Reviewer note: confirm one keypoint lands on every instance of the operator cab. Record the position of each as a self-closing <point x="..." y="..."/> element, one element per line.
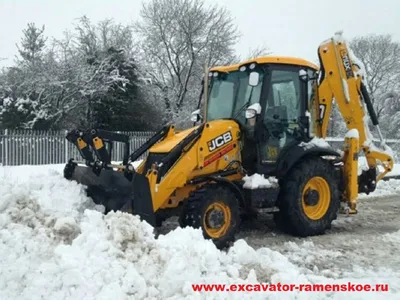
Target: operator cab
<point x="269" y="97"/>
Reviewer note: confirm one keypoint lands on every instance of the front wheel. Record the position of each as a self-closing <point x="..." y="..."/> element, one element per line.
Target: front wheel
<point x="215" y="209"/>
<point x="309" y="198"/>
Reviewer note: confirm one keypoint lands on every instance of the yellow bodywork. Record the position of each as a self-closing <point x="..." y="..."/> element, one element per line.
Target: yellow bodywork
<point x="171" y="141"/>
<point x="337" y="85"/>
<point x="199" y="160"/>
<point x="268" y="60"/>
<point x="350" y="158"/>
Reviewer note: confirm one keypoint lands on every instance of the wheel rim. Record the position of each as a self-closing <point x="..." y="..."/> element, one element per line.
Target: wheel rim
<point x="316" y="198"/>
<point x="217" y="219"/>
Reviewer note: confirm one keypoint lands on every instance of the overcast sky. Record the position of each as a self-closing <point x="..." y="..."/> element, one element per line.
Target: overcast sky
<point x="288" y="27"/>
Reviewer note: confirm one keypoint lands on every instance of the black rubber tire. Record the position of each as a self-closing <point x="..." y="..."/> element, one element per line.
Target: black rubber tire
<point x="183" y="215"/>
<point x="202" y="198"/>
<point x="291" y="218"/>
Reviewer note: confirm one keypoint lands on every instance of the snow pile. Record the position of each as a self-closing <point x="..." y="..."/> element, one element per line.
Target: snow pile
<point x="36" y="214"/>
<point x="48" y="254"/>
<point x="28" y="172"/>
<point x="45" y="188"/>
<point x="54" y="244"/>
<point x="259" y="181"/>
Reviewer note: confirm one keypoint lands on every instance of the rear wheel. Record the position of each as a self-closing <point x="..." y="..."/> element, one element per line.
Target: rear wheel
<point x="309" y="198"/>
<point x="215" y="209"/>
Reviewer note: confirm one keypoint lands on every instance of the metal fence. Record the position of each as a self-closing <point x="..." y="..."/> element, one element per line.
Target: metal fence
<point x="35" y="147"/>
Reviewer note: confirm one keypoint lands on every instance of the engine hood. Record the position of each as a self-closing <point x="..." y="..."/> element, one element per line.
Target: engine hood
<point x="171" y="141"/>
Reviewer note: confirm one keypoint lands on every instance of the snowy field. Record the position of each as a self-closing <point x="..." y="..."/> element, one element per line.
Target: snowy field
<point x="56" y="244"/>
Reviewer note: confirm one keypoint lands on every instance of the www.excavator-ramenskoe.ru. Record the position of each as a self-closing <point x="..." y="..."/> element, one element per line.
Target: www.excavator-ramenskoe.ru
<point x="267" y="116"/>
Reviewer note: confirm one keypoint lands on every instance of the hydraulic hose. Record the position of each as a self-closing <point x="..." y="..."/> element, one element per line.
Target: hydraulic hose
<point x="368" y="102"/>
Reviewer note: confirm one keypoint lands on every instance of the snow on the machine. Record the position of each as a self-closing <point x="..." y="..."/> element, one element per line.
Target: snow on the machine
<point x="315" y="142"/>
<point x="256" y="181"/>
<point x="352" y="134"/>
<point x="56" y="244"/>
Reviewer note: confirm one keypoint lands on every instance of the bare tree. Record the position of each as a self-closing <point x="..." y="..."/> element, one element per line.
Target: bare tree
<point x="261" y="50"/>
<point x="177" y="38"/>
<point x="381" y="58"/>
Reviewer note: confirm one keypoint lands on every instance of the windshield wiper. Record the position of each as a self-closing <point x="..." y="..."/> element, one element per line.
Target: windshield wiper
<point x="246" y="104"/>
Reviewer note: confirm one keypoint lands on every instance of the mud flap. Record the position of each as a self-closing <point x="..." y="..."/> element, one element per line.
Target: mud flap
<point x="142" y="201"/>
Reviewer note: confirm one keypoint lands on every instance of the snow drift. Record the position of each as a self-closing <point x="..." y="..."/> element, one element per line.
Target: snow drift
<point x="56" y="244"/>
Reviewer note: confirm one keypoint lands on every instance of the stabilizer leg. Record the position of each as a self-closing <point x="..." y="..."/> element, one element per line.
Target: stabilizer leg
<point x="351" y="150"/>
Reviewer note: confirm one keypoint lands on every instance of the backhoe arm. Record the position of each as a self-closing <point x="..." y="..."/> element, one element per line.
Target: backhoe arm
<point x="341" y="81"/>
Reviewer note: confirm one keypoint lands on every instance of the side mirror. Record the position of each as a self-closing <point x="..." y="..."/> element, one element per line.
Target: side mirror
<point x="303" y="75"/>
<point x="195" y="116"/>
<point x="254" y="78"/>
<point x="253" y="110"/>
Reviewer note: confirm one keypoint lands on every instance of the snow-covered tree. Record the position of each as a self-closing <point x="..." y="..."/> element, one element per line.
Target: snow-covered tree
<point x="123" y="106"/>
<point x="32" y="44"/>
<point x="88" y="78"/>
<point x="177" y="39"/>
<point x="380" y="55"/>
<point x="23" y="85"/>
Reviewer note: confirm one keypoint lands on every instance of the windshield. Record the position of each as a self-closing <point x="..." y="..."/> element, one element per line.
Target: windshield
<point x="230" y="94"/>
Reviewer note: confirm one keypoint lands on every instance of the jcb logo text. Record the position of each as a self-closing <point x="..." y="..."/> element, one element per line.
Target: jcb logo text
<point x="219" y="141"/>
<point x="347" y="64"/>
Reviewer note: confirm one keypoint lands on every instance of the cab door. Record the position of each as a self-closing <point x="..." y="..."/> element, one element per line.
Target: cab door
<point x="283" y="104"/>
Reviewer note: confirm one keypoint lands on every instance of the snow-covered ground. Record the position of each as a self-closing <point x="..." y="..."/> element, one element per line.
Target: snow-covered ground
<point x="56" y="244"/>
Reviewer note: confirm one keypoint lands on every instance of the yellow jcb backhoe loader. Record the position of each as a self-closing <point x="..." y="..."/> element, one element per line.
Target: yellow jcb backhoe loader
<point x="268" y="116"/>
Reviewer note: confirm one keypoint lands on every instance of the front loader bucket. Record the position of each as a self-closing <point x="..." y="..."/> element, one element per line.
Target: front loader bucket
<point x="109" y="188"/>
<point x="141" y="199"/>
<point x="113" y="190"/>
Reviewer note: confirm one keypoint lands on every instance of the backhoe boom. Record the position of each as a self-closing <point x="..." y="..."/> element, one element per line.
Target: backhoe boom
<point x="341" y="81"/>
